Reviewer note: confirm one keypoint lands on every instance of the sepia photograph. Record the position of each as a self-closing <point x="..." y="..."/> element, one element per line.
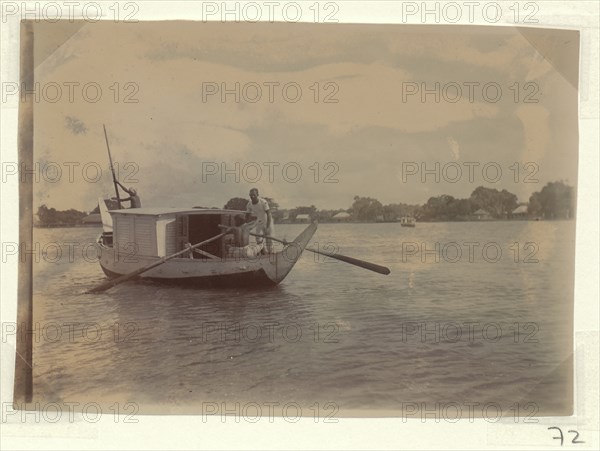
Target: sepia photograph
<point x="283" y="216"/>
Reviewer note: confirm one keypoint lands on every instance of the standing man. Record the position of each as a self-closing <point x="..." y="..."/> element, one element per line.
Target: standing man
<point x="259" y="208"/>
<point x="134" y="199"/>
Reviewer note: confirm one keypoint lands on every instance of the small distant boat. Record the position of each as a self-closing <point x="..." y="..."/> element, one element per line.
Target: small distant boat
<point x="407" y="221"/>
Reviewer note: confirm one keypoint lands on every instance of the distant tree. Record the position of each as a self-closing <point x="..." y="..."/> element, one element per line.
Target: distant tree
<point x="52" y="217"/>
<point x="366" y="209"/>
<point x="71" y="216"/>
<point x="485" y="199"/>
<point x="499" y="204"/>
<point x="272" y="204"/>
<point x="535" y="207"/>
<point x="390" y="213"/>
<point x="555" y="201"/>
<point x="47" y="216"/>
<point x="236" y="203"/>
<point x="461" y="209"/>
<point x="508" y="202"/>
<point x="438" y="208"/>
<point x="274" y="207"/>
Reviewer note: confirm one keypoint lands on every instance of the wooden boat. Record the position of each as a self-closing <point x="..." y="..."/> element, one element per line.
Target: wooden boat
<point x="199" y="246"/>
<point x="138" y="237"/>
<point x="407" y="221"/>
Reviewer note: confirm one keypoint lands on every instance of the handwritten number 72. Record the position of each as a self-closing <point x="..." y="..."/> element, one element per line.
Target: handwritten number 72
<point x="561" y="436"/>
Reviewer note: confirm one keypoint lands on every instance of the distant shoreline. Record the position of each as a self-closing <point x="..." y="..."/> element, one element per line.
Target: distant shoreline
<point x="99" y="225"/>
<point x="67" y="226"/>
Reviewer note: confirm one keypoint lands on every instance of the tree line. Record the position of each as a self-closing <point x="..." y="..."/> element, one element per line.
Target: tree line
<point x="556" y="200"/>
<point x="50" y="217"/>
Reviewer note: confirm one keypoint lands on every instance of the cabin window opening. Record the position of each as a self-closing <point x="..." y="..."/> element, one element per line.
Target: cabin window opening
<point x="107" y="239"/>
<point x="201" y="228"/>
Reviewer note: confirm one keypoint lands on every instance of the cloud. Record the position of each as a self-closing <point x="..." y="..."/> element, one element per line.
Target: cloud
<point x="536" y="129"/>
<point x="75" y="125"/>
<point x="333" y="95"/>
<point x="453" y="143"/>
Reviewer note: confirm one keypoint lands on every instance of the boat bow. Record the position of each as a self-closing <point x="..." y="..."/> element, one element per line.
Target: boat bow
<point x="278" y="267"/>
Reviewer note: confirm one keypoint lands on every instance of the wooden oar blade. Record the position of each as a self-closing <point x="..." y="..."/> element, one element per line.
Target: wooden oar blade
<point x="353" y="261"/>
<point x="356" y="262"/>
<point x="118" y="280"/>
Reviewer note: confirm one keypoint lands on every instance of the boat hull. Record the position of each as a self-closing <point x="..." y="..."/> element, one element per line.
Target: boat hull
<point x="262" y="270"/>
<point x="248" y="279"/>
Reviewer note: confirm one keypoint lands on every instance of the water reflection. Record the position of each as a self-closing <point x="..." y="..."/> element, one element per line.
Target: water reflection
<point x="330" y="331"/>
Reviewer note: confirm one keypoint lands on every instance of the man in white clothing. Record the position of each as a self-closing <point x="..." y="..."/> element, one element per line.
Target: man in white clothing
<point x="259" y="208"/>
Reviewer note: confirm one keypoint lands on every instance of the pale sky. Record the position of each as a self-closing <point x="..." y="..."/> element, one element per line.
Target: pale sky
<point x="363" y="141"/>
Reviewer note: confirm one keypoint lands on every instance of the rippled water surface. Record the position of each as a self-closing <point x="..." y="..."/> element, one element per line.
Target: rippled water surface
<point x="461" y="329"/>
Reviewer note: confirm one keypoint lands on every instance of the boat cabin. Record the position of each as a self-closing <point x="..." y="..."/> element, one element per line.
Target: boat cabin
<point x="160" y="232"/>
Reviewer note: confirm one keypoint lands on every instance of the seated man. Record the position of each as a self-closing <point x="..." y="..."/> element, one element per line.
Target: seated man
<point x="238" y="242"/>
<point x="242" y="232"/>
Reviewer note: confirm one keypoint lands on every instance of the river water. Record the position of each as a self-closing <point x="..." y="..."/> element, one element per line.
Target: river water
<point x="471" y="313"/>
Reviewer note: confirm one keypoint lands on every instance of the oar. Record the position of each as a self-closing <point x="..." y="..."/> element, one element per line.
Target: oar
<point x="353" y="261"/>
<point x="124" y="278"/>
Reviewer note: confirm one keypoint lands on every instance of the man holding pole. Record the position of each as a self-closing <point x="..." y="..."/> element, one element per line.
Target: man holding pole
<point x="133" y="198"/>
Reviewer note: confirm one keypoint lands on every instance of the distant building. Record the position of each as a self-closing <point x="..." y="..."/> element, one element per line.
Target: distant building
<point x="520" y="212"/>
<point x="342" y="216"/>
<point x="303" y="218"/>
<point x="482" y="215"/>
